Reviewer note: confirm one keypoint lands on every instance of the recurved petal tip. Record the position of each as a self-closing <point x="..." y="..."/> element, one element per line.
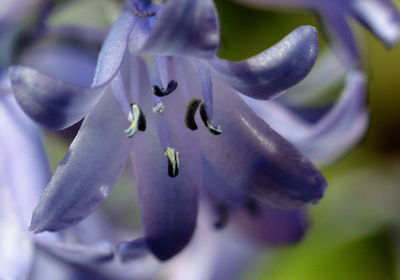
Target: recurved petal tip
<point x="276" y="69"/>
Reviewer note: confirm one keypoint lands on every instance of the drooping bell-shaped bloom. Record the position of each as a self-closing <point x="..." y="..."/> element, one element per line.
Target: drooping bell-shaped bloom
<point x="157" y="67"/>
<point x="79" y="252"/>
<point x="381" y="17"/>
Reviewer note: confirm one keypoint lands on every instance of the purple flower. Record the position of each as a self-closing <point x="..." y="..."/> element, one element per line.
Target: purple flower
<point x="23" y="173"/>
<point x="157" y="65"/>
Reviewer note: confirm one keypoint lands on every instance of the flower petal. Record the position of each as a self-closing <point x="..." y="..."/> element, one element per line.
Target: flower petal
<point x="89" y="170"/>
<point x="271" y="226"/>
<point x="168" y="206"/>
<point x="56" y="104"/>
<point x="217" y="189"/>
<point x="78" y="63"/>
<point x="253" y="158"/>
<point x="50" y="102"/>
<point x="333" y="134"/>
<point x="342" y="38"/>
<point x="381" y="17"/>
<point x="182" y="27"/>
<point x="278" y="68"/>
<point x="74" y="252"/>
<point x="25" y="155"/>
<point x="18" y="149"/>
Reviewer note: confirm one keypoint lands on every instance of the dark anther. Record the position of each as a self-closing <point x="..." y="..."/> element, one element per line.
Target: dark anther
<point x="137" y="119"/>
<point x="161" y="92"/>
<point x="252" y="207"/>
<point x="203" y="113"/>
<point x="190" y="112"/>
<point x="137" y="11"/>
<point x="172" y="85"/>
<point x="222" y="213"/>
<point x="173" y="161"/>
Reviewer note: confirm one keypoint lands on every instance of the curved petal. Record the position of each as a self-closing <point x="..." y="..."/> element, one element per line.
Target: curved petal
<point x="78" y="63"/>
<point x="327" y="72"/>
<point x="182" y="27"/>
<point x="343" y="40"/>
<point x="50" y="102"/>
<point x="271" y="226"/>
<point x="74" y="252"/>
<point x="56" y="104"/>
<point x="24" y="154"/>
<point x="381" y="17"/>
<point x="168" y="206"/>
<point x="331" y="136"/>
<point x="278" y="68"/>
<point x="253" y="158"/>
<point x="89" y="170"/>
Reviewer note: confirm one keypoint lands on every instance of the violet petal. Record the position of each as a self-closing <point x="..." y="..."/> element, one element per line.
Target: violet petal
<point x="274" y="70"/>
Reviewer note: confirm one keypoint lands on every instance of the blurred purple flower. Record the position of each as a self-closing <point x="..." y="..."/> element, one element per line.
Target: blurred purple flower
<point x="23" y="173"/>
<point x="164" y="54"/>
<point x="381" y="17"/>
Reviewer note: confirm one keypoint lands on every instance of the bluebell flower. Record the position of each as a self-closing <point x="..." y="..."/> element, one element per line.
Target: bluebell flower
<point x="79" y="252"/>
<point x="381" y="17"/>
<point x="156" y="67"/>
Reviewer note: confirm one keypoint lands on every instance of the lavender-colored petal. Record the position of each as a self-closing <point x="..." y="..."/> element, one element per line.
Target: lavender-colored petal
<point x="381" y="17"/>
<point x="19" y="147"/>
<point x="217" y="190"/>
<point x="331" y="136"/>
<point x="114" y="48"/>
<point x="168" y="206"/>
<point x="342" y="38"/>
<point x="88" y="172"/>
<point x="327" y="72"/>
<point x="75" y="252"/>
<point x="50" y="102"/>
<point x="255" y="159"/>
<point x="16" y="248"/>
<point x="72" y="64"/>
<point x="271" y="226"/>
<point x="57" y="104"/>
<point x="182" y="27"/>
<point x="26" y="173"/>
<point x="276" y="69"/>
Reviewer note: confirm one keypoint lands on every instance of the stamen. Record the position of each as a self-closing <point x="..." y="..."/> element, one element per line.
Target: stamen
<point x="133" y="6"/>
<point x="190" y="113"/>
<point x="252" y="207"/>
<point x="138" y="121"/>
<point x="206" y="88"/>
<point x="172" y="85"/>
<point x="203" y="113"/>
<point x="173" y="161"/>
<point x="222" y="216"/>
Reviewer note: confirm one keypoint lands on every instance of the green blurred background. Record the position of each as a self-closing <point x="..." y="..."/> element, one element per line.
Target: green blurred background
<point x="354" y="231"/>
